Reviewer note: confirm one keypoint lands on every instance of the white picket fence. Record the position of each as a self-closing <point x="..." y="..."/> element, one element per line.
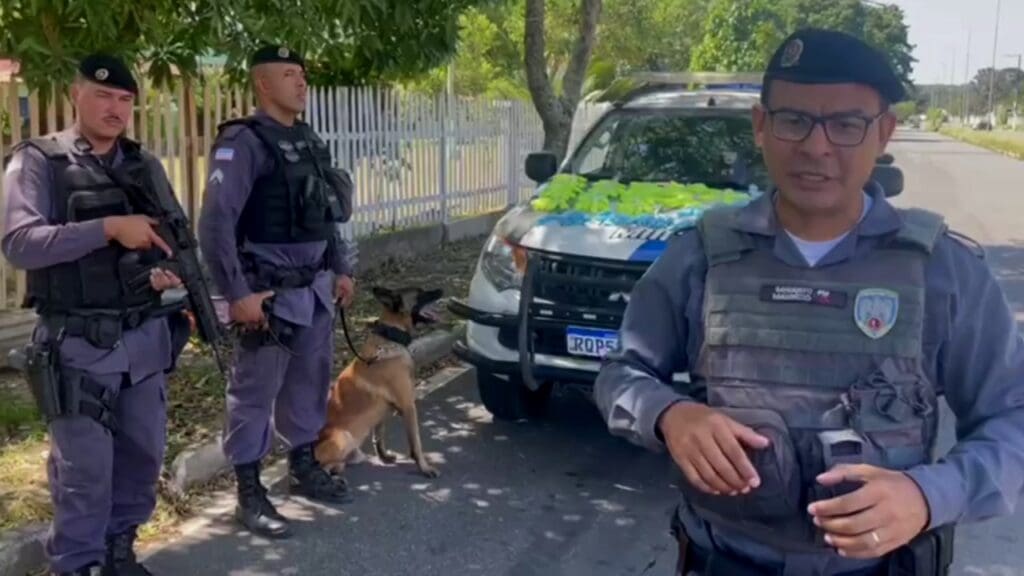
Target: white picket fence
<point x="417" y="160"/>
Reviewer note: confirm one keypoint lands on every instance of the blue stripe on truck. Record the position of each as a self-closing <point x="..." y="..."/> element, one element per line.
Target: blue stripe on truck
<point x="648" y="251"/>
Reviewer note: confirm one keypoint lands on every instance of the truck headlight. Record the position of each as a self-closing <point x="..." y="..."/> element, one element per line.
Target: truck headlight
<point x="503" y="264"/>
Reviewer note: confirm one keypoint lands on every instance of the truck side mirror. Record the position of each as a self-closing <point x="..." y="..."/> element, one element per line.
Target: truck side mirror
<point x="540" y="166"/>
<point x="890" y="178"/>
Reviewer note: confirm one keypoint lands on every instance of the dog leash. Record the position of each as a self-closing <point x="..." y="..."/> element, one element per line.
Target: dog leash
<point x="344" y="328"/>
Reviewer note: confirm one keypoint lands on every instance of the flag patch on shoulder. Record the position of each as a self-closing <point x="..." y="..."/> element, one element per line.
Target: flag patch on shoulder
<point x="224" y="154"/>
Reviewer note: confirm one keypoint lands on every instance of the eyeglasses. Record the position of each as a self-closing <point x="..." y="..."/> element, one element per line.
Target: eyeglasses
<point x="845" y="130"/>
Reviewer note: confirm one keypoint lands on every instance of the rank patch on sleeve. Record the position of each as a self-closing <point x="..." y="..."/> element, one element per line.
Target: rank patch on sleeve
<point x="224" y="154"/>
<point x="803" y="295"/>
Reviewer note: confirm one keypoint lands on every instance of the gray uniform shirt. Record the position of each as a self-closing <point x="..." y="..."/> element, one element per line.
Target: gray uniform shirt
<point x="237" y="160"/>
<point x="32" y="241"/>
<point x="972" y="348"/>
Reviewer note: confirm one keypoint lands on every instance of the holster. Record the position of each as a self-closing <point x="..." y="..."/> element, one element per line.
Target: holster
<point x="929" y="554"/>
<point x="61" y="391"/>
<point x="43" y="374"/>
<point x="676" y="529"/>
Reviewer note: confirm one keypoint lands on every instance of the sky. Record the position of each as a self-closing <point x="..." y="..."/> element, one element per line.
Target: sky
<point x="939" y="29"/>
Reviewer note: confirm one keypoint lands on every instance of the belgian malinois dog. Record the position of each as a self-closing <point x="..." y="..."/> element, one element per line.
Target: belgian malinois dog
<point x="378" y="383"/>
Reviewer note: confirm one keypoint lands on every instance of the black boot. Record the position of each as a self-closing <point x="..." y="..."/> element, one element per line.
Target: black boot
<point x="254" y="509"/>
<point x="307" y="478"/>
<point x="121" y="556"/>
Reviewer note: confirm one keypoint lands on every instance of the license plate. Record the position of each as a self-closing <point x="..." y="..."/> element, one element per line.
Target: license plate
<point x="591" y="342"/>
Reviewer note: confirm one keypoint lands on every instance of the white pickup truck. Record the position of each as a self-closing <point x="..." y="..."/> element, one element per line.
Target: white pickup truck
<point x="553" y="280"/>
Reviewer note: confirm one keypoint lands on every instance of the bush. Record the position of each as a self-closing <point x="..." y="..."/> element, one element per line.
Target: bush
<point x="935" y="118"/>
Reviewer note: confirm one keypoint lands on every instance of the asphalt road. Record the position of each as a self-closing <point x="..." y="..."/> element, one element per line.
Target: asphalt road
<point x="981" y="194"/>
<point x="563" y="497"/>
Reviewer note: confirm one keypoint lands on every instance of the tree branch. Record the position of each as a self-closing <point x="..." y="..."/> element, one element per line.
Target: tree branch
<point x="544" y="99"/>
<point x="575" y="75"/>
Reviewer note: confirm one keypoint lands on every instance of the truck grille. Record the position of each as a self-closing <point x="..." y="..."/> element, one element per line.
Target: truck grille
<point x="574" y="291"/>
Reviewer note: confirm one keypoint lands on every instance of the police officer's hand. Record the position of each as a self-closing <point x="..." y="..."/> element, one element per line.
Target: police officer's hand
<point x="708" y="446"/>
<point x="162" y="280"/>
<point x="248" y="311"/>
<point x="886" y="512"/>
<point x="134" y="232"/>
<point x="344" y="289"/>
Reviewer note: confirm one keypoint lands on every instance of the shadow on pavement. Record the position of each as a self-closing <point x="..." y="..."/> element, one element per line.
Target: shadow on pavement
<point x="519" y="498"/>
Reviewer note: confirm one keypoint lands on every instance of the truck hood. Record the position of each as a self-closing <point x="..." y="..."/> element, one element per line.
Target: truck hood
<point x="607" y="235"/>
<point x="542" y="231"/>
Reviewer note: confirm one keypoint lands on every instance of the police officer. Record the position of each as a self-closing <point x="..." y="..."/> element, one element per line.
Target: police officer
<point x="92" y="257"/>
<point x="269" y="233"/>
<point x="817" y="324"/>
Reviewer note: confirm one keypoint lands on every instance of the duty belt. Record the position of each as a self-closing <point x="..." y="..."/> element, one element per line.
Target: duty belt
<point x="264" y="275"/>
<point x="103" y="327"/>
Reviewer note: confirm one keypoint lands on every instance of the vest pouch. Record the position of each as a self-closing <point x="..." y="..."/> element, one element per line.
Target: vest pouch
<point x="778" y="496"/>
<point x="891" y="414"/>
<point x="313" y="204"/>
<point x="340" y="199"/>
<point x="85" y="205"/>
<point x="134" y="268"/>
<point x="835" y="448"/>
<point x="893" y="427"/>
<point x="95" y="273"/>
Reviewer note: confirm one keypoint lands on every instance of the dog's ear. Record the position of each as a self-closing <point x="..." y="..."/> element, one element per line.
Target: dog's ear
<point x="424" y="297"/>
<point x="387" y="298"/>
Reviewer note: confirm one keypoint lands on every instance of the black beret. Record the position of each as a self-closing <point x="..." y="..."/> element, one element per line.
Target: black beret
<point x="817" y="56"/>
<point x="275" y="53"/>
<point x="109" y="71"/>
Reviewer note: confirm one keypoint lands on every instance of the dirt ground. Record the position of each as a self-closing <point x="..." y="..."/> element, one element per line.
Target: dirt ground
<point x="195" y="395"/>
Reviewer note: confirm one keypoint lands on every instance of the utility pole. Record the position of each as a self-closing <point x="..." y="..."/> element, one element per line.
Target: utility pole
<point x="967" y="80"/>
<point x="1016" y="95"/>
<point x="952" y="84"/>
<point x="992" y="79"/>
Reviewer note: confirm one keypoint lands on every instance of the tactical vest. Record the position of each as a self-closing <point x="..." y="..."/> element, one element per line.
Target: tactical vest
<point x="100" y="279"/>
<point x="826" y="362"/>
<point x="299" y="200"/>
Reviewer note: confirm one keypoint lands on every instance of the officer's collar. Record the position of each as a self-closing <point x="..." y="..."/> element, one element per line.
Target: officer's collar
<point x="759" y="216"/>
<point x="81" y="146"/>
<point x="262" y="116"/>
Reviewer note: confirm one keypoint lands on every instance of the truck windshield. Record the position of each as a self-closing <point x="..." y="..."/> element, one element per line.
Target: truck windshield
<point x="713" y="147"/>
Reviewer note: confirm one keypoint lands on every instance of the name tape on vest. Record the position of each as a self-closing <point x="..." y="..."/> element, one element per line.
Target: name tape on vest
<point x="803" y="295"/>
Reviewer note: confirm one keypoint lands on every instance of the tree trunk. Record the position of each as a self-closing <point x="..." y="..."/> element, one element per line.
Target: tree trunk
<point x="556" y="112"/>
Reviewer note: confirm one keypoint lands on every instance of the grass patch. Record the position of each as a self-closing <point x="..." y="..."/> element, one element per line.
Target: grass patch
<point x="24" y="496"/>
<point x="1004" y="142"/>
<point x="196" y="398"/>
<point x="18" y="415"/>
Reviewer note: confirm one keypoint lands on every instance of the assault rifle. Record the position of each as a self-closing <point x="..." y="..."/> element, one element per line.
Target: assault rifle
<point x="157" y="198"/>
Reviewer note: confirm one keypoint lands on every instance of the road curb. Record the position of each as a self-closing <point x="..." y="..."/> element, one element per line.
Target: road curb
<point x="22" y="551"/>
